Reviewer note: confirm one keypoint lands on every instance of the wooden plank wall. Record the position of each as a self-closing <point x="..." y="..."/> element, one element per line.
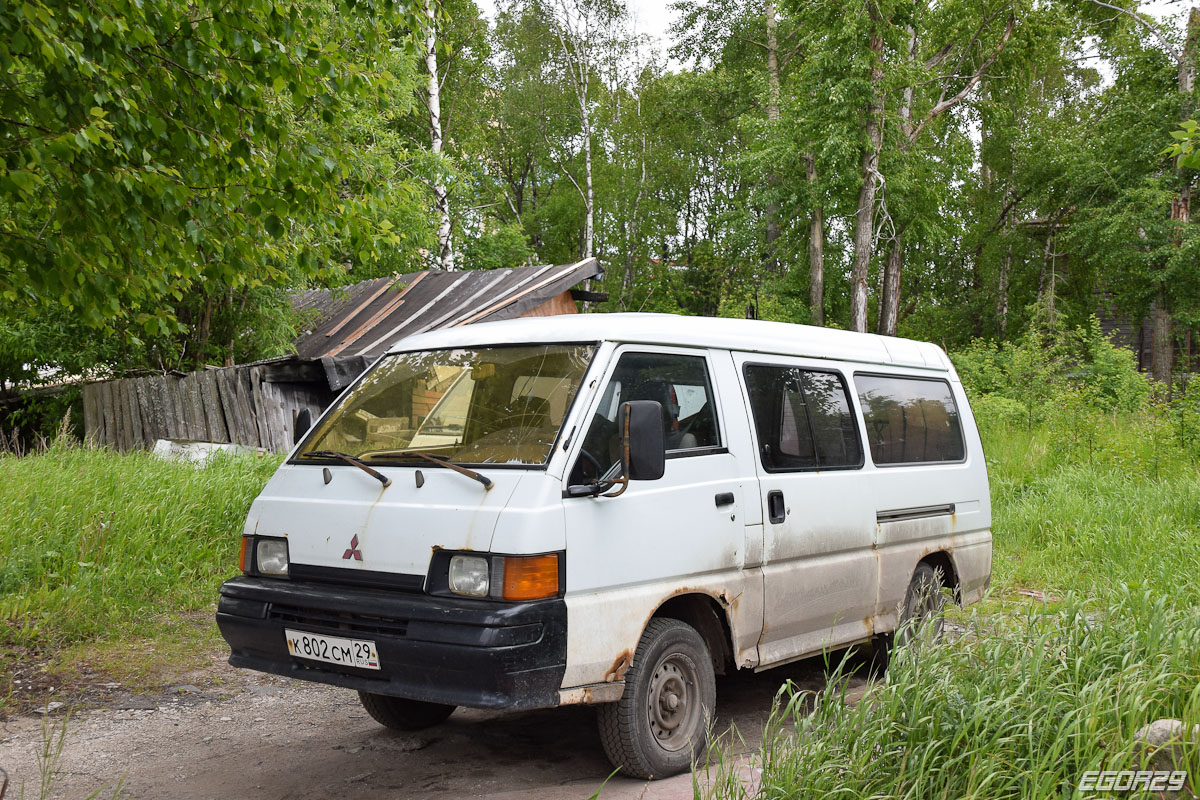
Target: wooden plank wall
<point x="235" y="404"/>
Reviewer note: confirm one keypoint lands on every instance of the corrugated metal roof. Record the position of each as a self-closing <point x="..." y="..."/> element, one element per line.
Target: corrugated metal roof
<point x="367" y="318"/>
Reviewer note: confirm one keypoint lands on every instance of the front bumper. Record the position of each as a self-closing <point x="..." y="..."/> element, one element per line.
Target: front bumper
<point x="474" y="653"/>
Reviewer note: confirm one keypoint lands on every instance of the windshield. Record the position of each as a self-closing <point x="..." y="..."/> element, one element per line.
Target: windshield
<point x="486" y="405"/>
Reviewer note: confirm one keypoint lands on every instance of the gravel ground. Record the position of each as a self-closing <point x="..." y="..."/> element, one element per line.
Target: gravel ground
<point x="240" y="734"/>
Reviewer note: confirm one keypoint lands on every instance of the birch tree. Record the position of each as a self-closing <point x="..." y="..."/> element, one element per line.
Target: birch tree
<point x="441" y="195"/>
<point x="585" y="29"/>
<point x="908" y="27"/>
<point x="969" y="66"/>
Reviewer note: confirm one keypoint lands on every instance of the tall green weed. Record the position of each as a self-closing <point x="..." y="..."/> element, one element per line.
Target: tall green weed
<point x="1018" y="708"/>
<point x="1025" y="379"/>
<point x="93" y="542"/>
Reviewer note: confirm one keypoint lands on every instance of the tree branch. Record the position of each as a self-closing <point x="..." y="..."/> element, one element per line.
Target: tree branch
<point x="945" y="105"/>
<point x="562" y="165"/>
<point x="939" y="56"/>
<point x="1162" y="37"/>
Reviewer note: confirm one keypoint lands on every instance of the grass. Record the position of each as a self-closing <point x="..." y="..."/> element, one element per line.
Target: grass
<point x="1020" y="709"/>
<point x="100" y="546"/>
<point x="105" y="556"/>
<point x="1122" y="507"/>
<point x="1100" y="513"/>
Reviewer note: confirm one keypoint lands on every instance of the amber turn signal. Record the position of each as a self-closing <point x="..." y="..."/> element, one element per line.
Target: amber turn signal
<point x="530" y="577"/>
<point x="242" y="557"/>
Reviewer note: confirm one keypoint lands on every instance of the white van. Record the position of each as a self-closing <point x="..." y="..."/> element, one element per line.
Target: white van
<point x="610" y="509"/>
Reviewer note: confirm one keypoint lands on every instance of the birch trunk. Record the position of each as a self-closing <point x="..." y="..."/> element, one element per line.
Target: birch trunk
<point x="1002" y="292"/>
<point x="440" y="194"/>
<point x="816" y="248"/>
<point x="1160" y="339"/>
<point x="627" y="280"/>
<point x="864" y="219"/>
<point x="889" y="306"/>
<point x="1049" y="275"/>
<point x="589" y="228"/>
<point x="576" y="35"/>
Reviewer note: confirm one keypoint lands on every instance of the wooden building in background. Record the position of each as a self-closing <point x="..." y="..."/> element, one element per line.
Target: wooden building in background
<point x="255" y="405"/>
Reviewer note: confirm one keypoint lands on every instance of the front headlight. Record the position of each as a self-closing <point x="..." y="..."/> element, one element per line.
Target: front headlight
<point x="271" y="557"/>
<point x="469" y="576"/>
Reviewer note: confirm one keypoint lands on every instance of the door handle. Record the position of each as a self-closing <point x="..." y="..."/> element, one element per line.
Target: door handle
<point x="776" y="509"/>
<point x="724" y="499"/>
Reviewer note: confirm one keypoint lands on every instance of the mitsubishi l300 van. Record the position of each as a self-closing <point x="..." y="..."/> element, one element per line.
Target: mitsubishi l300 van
<point x="611" y="509"/>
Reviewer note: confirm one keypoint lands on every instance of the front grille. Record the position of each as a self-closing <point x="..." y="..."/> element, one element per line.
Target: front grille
<point x="358" y="578"/>
<point x="339" y="621"/>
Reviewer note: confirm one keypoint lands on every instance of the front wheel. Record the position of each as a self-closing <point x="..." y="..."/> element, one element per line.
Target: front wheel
<point x="400" y="714"/>
<point x="660" y="725"/>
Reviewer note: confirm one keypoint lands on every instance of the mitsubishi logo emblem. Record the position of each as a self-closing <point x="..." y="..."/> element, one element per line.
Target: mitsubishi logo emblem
<point x="353" y="551"/>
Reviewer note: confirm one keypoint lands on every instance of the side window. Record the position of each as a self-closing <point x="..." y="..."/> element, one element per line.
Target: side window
<point x="910" y="420"/>
<point x="679" y="383"/>
<point x="803" y="419"/>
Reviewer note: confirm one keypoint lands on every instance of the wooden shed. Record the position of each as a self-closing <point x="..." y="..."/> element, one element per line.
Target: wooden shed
<point x="256" y="404"/>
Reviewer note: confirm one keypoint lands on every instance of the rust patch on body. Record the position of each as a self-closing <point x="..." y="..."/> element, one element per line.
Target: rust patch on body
<point x="727" y="602"/>
<point x="593" y="694"/>
<point x="617" y="671"/>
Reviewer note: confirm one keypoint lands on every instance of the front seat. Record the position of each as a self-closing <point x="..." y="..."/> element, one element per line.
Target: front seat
<point x="664" y="394"/>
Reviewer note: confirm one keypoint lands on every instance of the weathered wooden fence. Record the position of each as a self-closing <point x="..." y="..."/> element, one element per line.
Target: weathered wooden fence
<point x="252" y="405"/>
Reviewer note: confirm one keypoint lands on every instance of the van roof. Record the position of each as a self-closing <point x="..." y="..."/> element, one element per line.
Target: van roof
<point x="756" y="336"/>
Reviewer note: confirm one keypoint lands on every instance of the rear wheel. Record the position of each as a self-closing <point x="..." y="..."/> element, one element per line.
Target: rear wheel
<point x="921" y="619"/>
<point x="659" y="727"/>
<point x="400" y="714"/>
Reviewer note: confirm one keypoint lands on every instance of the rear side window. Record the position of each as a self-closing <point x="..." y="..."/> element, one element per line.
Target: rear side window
<point x="802" y="418"/>
<point x="910" y="420"/>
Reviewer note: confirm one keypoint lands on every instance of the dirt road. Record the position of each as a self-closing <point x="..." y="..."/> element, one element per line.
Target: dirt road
<point x="254" y="736"/>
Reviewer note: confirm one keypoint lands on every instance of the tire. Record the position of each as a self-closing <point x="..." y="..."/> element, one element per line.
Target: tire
<point x="921" y="619"/>
<point x="404" y="715"/>
<point x="660" y="726"/>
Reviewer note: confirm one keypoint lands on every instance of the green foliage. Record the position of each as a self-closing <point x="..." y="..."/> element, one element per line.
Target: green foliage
<point x="1050" y="372"/>
<point x="171" y="170"/>
<point x="159" y="151"/>
<point x="94" y="543"/>
<point x="501" y="247"/>
<point x="1185" y="148"/>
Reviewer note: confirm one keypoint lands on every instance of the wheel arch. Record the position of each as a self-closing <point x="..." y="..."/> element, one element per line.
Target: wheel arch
<point x="708" y="617"/>
<point x="943" y="560"/>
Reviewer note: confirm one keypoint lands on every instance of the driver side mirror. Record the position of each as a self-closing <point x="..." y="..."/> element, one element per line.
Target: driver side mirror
<point x="643" y="441"/>
<point x="301" y="426"/>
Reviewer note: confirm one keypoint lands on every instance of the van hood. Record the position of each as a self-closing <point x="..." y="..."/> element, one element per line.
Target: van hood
<point x="354" y="522"/>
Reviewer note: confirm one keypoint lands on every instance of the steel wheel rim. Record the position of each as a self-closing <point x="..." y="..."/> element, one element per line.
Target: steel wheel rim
<point x="673" y="706"/>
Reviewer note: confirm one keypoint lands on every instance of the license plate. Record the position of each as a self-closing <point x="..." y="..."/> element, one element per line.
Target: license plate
<point x="359" y="653"/>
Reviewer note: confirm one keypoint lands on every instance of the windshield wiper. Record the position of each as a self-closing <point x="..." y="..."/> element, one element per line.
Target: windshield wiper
<point x="448" y="464"/>
<point x="441" y="461"/>
<point x="349" y="459"/>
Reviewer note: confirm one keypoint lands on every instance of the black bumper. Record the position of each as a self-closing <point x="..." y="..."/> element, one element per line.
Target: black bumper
<point x="475" y="653"/>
